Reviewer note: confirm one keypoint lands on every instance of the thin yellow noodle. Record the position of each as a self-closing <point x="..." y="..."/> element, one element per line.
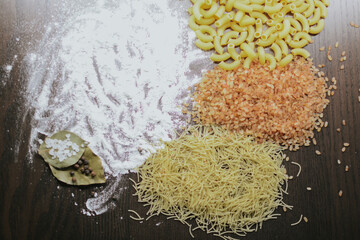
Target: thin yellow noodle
<point x="296" y="223"/>
<point x="295" y="163"/>
<point x="137" y="218"/>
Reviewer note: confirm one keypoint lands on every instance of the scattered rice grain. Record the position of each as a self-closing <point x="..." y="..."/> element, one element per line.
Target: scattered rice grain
<point x="317" y="152"/>
<point x="340" y="193"/>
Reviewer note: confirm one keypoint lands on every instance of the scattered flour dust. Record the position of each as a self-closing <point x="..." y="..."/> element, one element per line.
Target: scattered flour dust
<point x="115" y="73"/>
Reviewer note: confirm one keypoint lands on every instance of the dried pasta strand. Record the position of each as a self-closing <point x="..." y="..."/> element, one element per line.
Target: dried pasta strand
<point x="296" y="223"/>
<point x="295" y="163"/>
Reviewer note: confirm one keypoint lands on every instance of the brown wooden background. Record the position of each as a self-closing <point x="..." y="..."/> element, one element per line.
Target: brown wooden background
<point x="33" y="205"/>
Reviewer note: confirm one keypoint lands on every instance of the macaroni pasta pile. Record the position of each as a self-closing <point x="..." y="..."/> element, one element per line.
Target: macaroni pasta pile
<point x="242" y="29"/>
<point x="226" y="182"/>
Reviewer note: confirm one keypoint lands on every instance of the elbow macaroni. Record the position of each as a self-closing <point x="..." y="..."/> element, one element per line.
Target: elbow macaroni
<point x="238" y="29"/>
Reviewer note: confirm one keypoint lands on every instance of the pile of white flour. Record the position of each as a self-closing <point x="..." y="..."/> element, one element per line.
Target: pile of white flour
<point x="115" y="73"/>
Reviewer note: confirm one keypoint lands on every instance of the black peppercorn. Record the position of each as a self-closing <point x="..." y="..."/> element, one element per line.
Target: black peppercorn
<point x="82" y="170"/>
<point x="93" y="174"/>
<point x="72" y="173"/>
<point x="86" y="167"/>
<point x="80" y="162"/>
<point x="76" y="166"/>
<point x="87" y="172"/>
<point x="73" y="179"/>
<point x="86" y="162"/>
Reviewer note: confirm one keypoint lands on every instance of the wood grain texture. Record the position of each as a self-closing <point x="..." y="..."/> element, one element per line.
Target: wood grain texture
<point x="33" y="205"/>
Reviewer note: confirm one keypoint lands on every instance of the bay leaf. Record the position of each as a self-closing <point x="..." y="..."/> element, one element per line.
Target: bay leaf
<point x="55" y="162"/>
<point x="95" y="164"/>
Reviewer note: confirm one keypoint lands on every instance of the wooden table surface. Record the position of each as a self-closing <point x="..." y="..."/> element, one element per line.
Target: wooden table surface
<point x="33" y="205"/>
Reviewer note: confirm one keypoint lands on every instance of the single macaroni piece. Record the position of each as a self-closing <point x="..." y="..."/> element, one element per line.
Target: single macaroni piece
<point x="304" y="22"/>
<point x="260" y="15"/>
<point x="211" y="12"/>
<point x="229" y="66"/>
<point x="204" y="45"/>
<point x="284" y="47"/>
<point x="239" y="40"/>
<point x="302" y="35"/>
<point x="286" y="29"/>
<point x="226" y="18"/>
<point x="229" y="5"/>
<point x="192" y="23"/>
<point x="258" y="28"/>
<point x="220" y="12"/>
<point x="246" y="21"/>
<point x="261" y="55"/>
<point x="315" y="18"/>
<point x="203" y="37"/>
<point x="220" y="57"/>
<point x="251" y="33"/>
<point x="271" y="39"/>
<point x="311" y="8"/>
<point x="323" y="10"/>
<point x="318" y="28"/>
<point x="196" y="9"/>
<point x="277" y="51"/>
<point x="298" y="44"/>
<point x="300" y="52"/>
<point x="247" y="62"/>
<point x="273" y="9"/>
<point x="243" y="7"/>
<point x="234" y="55"/>
<point x="286" y="60"/>
<point x="272" y="61"/>
<point x="218" y="48"/>
<point x="238" y="16"/>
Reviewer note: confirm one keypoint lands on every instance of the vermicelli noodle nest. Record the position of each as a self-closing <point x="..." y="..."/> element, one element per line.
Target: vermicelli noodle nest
<point x="225" y="181"/>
